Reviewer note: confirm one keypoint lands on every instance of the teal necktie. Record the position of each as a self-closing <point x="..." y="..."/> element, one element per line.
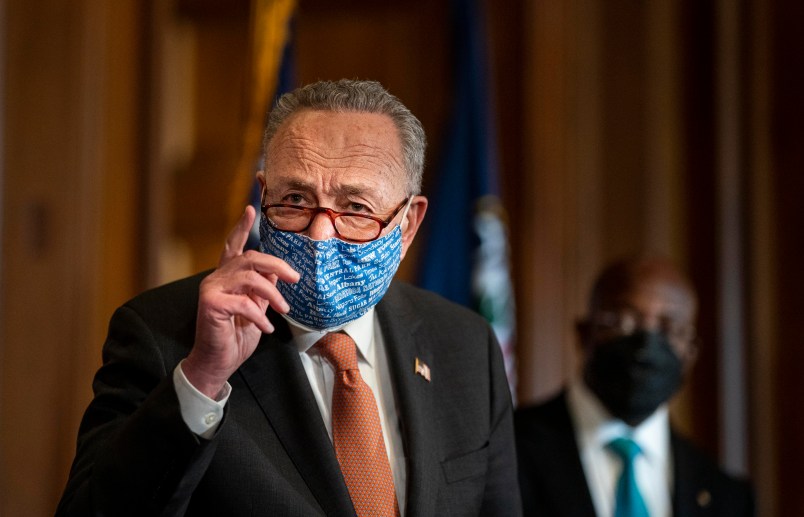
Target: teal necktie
<point x="628" y="501"/>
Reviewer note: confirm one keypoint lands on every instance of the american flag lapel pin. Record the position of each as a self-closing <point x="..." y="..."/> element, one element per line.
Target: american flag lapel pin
<point x="422" y="369"/>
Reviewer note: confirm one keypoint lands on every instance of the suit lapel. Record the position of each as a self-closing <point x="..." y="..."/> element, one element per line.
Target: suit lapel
<point x="692" y="493"/>
<point x="413" y="394"/>
<point x="277" y="380"/>
<point x="567" y="480"/>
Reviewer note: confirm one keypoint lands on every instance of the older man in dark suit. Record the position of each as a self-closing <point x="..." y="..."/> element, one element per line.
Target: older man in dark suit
<point x="300" y="380"/>
<point x="604" y="446"/>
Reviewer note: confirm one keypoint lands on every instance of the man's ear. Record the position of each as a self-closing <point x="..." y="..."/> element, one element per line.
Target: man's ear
<point x="690" y="355"/>
<point x="413" y="219"/>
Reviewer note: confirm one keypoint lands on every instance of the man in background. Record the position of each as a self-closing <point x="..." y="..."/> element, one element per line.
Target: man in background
<point x="604" y="446"/>
<point x="300" y="380"/>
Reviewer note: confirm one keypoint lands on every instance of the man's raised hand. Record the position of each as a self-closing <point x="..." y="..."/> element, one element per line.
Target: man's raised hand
<point x="231" y="309"/>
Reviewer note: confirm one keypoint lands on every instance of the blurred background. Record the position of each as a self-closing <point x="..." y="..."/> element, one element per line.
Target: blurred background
<point x="128" y="146"/>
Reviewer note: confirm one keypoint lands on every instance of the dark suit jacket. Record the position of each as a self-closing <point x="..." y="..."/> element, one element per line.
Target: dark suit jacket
<point x="271" y="455"/>
<point x="553" y="483"/>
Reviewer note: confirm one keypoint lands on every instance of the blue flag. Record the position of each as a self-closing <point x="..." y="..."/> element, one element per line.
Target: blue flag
<point x="466" y="256"/>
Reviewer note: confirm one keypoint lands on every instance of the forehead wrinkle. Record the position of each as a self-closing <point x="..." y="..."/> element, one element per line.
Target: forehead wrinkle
<point x="384" y="155"/>
<point x="379" y="156"/>
<point x="360" y="156"/>
<point x="338" y="189"/>
<point x="340" y="154"/>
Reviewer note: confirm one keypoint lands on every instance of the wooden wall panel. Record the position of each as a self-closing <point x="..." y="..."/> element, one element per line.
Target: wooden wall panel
<point x="70" y="227"/>
<point x="787" y="135"/>
<point x="763" y="286"/>
<point x="201" y="186"/>
<point x="42" y="241"/>
<point x="540" y="243"/>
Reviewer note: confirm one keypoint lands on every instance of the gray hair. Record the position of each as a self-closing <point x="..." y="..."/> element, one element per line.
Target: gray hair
<point x="357" y="96"/>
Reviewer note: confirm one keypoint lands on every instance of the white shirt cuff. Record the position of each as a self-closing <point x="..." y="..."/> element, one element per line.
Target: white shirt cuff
<point x="201" y="413"/>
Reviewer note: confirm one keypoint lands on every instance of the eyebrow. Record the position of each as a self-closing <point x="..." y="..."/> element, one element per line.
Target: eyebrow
<point x="296" y="184"/>
<point x="351" y="189"/>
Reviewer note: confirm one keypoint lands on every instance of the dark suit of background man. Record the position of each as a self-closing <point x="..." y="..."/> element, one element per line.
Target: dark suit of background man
<point x="638" y="343"/>
<point x="214" y="397"/>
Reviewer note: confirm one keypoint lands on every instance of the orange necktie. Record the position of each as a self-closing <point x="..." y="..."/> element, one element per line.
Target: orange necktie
<point x="357" y="433"/>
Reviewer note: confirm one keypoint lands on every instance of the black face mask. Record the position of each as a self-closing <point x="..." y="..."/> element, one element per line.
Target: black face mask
<point x="633" y="375"/>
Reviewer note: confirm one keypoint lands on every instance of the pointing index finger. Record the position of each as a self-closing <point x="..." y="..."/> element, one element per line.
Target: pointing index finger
<point x="237" y="238"/>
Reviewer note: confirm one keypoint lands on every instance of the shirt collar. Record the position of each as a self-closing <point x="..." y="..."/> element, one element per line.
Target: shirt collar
<point x="597" y="426"/>
<point x="360" y="330"/>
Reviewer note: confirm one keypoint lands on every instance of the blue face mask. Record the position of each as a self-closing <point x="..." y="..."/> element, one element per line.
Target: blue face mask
<point x="340" y="281"/>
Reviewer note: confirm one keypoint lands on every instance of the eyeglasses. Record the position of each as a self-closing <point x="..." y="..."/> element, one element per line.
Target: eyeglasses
<point x="348" y="226"/>
<point x="627" y="322"/>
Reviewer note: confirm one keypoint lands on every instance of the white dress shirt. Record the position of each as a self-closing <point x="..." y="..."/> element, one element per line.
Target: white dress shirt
<point x="595" y="428"/>
<point x="203" y="414"/>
